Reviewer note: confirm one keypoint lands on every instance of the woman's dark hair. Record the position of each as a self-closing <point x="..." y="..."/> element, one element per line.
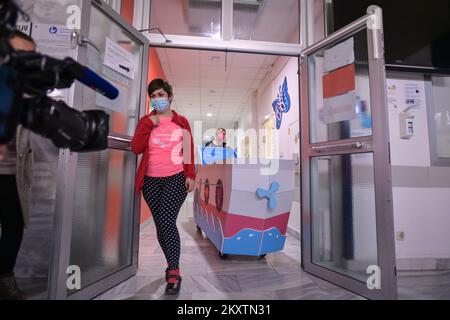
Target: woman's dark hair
<point x="157" y="84"/>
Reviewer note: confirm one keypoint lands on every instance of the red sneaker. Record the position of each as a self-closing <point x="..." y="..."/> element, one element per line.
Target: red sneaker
<point x="173" y="279"/>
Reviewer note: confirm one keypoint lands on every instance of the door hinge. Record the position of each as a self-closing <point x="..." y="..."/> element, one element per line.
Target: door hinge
<point x="302" y="59"/>
<point x="389" y="152"/>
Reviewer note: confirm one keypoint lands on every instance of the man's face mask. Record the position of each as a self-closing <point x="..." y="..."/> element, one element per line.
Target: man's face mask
<point x="161" y="104"/>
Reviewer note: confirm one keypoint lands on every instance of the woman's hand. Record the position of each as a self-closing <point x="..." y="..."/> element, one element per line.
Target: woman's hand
<point x="190" y="185"/>
<point x="155" y="120"/>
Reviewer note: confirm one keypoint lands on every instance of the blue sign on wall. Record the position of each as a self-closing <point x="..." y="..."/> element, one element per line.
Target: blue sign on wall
<point x="282" y="103"/>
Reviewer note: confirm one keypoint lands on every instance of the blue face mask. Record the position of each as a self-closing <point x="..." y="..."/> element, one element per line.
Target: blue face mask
<point x="161" y="104"/>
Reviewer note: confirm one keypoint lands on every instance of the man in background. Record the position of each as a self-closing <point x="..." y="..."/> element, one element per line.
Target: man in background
<point x="219" y="139"/>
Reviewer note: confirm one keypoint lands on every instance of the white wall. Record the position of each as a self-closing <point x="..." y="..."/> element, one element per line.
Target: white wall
<point x="284" y="67"/>
<point x="266" y="94"/>
<point x="424" y="216"/>
<point x="249" y="115"/>
<point x="415" y="151"/>
<point x="422" y="213"/>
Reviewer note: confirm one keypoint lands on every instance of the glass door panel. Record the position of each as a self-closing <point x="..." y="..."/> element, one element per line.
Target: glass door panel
<point x="98" y="217"/>
<point x="347" y="220"/>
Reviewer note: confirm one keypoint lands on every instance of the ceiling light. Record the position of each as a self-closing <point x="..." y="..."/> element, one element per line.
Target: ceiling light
<point x="209" y="115"/>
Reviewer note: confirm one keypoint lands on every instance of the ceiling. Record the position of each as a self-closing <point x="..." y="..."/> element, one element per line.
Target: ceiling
<point x="213" y="87"/>
<point x="215" y="83"/>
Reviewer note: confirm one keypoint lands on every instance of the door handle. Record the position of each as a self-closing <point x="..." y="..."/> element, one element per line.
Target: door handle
<point x="344" y="146"/>
<point x="84" y="42"/>
<point x="119" y="143"/>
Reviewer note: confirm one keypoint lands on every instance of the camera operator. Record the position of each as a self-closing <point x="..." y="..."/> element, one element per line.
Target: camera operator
<point x="16" y="160"/>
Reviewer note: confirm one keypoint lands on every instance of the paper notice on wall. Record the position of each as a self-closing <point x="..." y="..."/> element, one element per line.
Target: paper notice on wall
<point x="339" y="56"/>
<point x="24" y="26"/>
<point x="413" y="95"/>
<point x="119" y="59"/>
<point x="53" y="40"/>
<point x="405" y="95"/>
<point x="339" y="108"/>
<point x="392" y="95"/>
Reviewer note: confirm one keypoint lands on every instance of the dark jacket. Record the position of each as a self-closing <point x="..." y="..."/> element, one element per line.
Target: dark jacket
<point x="211" y="144"/>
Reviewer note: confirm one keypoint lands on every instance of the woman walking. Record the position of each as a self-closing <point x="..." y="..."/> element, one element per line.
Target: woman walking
<point x="166" y="172"/>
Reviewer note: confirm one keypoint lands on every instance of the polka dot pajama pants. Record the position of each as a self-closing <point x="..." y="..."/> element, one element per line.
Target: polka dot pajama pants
<point x="164" y="197"/>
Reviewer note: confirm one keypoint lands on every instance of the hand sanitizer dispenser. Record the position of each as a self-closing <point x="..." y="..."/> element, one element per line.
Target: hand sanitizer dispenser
<point x="406" y="125"/>
<point x="407" y="120"/>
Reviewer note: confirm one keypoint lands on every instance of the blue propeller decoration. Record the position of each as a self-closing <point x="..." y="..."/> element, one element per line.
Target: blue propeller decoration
<point x="270" y="194"/>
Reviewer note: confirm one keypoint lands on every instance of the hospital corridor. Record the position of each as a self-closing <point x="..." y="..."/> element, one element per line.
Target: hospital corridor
<point x="225" y="150"/>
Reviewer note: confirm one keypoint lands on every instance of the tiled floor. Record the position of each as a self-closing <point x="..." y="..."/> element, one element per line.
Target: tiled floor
<point x="424" y="285"/>
<point x="34" y="289"/>
<point x="207" y="276"/>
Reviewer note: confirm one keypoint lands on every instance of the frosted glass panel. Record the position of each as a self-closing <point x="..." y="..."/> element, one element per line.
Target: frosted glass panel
<point x="101" y="241"/>
<point x="268" y="20"/>
<point x="441" y="116"/>
<point x="187" y="17"/>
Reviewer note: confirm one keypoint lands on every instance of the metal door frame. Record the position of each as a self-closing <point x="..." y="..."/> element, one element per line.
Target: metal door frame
<point x="64" y="207"/>
<point x="378" y="144"/>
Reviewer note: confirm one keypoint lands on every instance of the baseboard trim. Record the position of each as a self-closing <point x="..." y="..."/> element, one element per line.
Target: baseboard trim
<point x="293" y="232"/>
<point x="423" y="264"/>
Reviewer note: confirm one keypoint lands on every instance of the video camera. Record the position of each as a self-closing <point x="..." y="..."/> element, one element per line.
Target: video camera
<point x="25" y="80"/>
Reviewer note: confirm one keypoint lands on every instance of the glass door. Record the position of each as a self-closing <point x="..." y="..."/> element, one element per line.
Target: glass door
<point x="96" y="245"/>
<point x="347" y="219"/>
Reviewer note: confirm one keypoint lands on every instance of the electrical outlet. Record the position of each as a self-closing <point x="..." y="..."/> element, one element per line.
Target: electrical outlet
<point x="400" y="236"/>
